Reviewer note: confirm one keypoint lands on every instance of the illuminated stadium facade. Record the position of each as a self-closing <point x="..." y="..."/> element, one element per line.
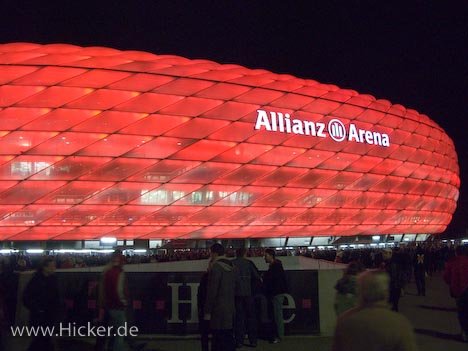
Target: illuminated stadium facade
<point x="99" y="142"/>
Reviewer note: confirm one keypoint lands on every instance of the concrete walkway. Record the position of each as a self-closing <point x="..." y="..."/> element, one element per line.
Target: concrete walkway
<point x="433" y="317"/>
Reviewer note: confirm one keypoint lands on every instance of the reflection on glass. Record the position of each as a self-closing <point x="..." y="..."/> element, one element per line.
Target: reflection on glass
<point x="200" y="197"/>
<point x="23" y="217"/>
<point x="239" y="198"/>
<point x="160" y="197"/>
<point x="203" y="197"/>
<point x="24" y="168"/>
<point x="310" y="200"/>
<point x="156" y="177"/>
<point x="197" y="197"/>
<point x="68" y="199"/>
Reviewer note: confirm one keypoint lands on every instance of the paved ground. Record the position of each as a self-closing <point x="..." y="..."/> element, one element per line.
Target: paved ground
<point x="433" y="316"/>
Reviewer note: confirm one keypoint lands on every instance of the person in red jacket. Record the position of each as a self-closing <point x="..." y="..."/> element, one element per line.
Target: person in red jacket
<point x="114" y="297"/>
<point x="456" y="276"/>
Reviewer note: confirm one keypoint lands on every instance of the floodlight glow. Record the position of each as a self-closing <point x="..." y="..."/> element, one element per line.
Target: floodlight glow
<point x="77" y="251"/>
<point x="35" y="251"/>
<point x="7" y="251"/>
<point x="108" y="240"/>
<point x="105" y="251"/>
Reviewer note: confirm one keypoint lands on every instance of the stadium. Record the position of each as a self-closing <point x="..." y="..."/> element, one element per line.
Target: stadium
<point x="101" y="147"/>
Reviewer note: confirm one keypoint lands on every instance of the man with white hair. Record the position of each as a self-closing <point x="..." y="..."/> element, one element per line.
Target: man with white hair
<point x="372" y="326"/>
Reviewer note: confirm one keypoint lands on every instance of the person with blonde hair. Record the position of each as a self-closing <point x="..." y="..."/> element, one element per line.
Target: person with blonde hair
<point x="383" y="329"/>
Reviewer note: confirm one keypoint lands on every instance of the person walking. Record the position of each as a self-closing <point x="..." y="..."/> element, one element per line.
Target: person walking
<point x="41" y="298"/>
<point x="276" y="287"/>
<point x="114" y="298"/>
<point x="393" y="266"/>
<point x="245" y="318"/>
<point x="346" y="295"/>
<point x="8" y="300"/>
<point x="372" y="326"/>
<point x="420" y="271"/>
<point x="219" y="303"/>
<point x="204" y="325"/>
<point x="456" y="276"/>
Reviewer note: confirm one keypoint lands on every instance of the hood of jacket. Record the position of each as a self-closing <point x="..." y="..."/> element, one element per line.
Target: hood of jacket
<point x="225" y="264"/>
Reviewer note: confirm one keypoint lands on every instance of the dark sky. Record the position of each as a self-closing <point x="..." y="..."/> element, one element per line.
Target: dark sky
<point x="413" y="53"/>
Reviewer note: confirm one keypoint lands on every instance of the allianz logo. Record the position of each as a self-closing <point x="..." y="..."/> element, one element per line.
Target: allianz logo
<point x="284" y="123"/>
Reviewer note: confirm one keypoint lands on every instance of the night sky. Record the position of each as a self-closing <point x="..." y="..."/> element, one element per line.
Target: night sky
<point x="414" y="53"/>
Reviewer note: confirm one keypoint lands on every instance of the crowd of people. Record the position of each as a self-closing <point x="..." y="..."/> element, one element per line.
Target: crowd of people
<point x="403" y="264"/>
<point x="225" y="300"/>
<point x="373" y="279"/>
<point x="362" y="295"/>
<point x="436" y="254"/>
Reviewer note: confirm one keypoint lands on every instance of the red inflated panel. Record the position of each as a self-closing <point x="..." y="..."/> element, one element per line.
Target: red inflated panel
<point x="96" y="141"/>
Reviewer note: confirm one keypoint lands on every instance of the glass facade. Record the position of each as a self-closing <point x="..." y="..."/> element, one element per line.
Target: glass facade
<point x="99" y="142"/>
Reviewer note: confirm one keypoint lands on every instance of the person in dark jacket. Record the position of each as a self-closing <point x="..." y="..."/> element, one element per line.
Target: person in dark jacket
<point x="41" y="298"/>
<point x="204" y="325"/>
<point x="275" y="284"/>
<point x="219" y="303"/>
<point x="8" y="298"/>
<point x="247" y="274"/>
<point x="420" y="271"/>
<point x="393" y="266"/>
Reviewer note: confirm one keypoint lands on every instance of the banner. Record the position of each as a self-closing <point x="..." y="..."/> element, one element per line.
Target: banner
<point x="166" y="302"/>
